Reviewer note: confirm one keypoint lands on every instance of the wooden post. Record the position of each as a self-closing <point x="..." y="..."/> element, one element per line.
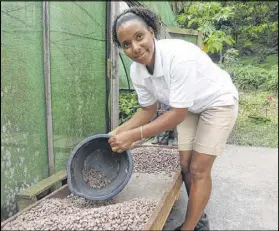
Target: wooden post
<point x="176" y="30"/>
<point x="46" y="54"/>
<point x="199" y="41"/>
<point x="162" y="34"/>
<point x="114" y="73"/>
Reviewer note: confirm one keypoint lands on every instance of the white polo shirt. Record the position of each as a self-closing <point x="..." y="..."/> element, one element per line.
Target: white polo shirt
<point x="184" y="77"/>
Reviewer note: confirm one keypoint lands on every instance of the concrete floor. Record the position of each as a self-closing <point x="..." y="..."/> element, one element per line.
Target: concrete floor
<point x="244" y="194"/>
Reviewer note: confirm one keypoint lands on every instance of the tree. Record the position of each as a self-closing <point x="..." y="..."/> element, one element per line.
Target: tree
<point x="208" y="17"/>
<point x="249" y="26"/>
<point x="255" y="25"/>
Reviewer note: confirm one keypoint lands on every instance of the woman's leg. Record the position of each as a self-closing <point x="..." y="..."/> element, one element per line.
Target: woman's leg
<point x="214" y="127"/>
<point x="186" y="131"/>
<point x="199" y="180"/>
<point x="185" y="160"/>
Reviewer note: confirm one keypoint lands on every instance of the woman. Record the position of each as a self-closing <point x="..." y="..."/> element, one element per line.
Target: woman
<point x="202" y="97"/>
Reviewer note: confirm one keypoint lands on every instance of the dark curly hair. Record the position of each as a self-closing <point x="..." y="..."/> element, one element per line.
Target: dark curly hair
<point x="143" y="13"/>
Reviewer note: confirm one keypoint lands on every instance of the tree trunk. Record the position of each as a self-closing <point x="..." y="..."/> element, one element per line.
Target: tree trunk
<point x="176" y="6"/>
<point x="221" y="57"/>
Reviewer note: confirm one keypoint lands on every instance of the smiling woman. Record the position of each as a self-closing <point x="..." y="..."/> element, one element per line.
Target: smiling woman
<point x="137" y="43"/>
<point x="202" y="98"/>
<point x="136" y="37"/>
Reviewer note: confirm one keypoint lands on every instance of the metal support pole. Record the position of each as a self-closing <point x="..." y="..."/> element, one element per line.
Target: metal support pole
<point x="114" y="73"/>
<point x="46" y="53"/>
<point x="108" y="65"/>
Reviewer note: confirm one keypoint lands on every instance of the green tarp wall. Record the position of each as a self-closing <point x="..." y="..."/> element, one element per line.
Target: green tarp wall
<point x="163" y="10"/>
<point x="77" y="48"/>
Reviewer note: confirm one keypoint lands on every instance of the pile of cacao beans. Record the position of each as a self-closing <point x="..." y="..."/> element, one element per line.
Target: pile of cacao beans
<point x="76" y="213"/>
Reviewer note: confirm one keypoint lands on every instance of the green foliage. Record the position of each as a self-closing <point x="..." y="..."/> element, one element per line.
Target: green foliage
<point x="254" y="19"/>
<point x="250" y="27"/>
<point x="247" y="132"/>
<point x="246" y="35"/>
<point x="272" y="79"/>
<point x="257" y="122"/>
<point x="128" y="105"/>
<point x="231" y="57"/>
<point x="271" y="60"/>
<point x="216" y="41"/>
<point x="259" y="106"/>
<point x="247" y="74"/>
<point x="231" y="61"/>
<point x="249" y="77"/>
<point x="206" y="17"/>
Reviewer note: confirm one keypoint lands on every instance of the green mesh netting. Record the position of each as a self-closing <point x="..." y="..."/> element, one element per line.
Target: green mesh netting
<point x="163" y="10"/>
<point x="77" y="47"/>
<point x="124" y="71"/>
<point x="23" y="127"/>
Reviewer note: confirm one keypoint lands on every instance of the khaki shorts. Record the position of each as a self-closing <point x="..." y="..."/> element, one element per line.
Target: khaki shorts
<point x="208" y="131"/>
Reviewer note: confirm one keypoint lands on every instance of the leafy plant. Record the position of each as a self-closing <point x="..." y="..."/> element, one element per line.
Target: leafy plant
<point x="231" y="57"/>
<point x="250" y="77"/>
<point x="207" y="17"/>
<point x="258" y="107"/>
<point x="257" y="122"/>
<point x="246" y="26"/>
<point x="272" y="79"/>
<point x="216" y="41"/>
<point x="128" y="105"/>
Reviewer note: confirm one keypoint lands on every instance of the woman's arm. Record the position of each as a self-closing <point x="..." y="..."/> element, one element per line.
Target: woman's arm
<point x="165" y="122"/>
<point x="168" y="120"/>
<point x="141" y="117"/>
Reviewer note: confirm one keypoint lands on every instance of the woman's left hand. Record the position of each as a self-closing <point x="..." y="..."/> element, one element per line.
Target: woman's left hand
<point x="122" y="141"/>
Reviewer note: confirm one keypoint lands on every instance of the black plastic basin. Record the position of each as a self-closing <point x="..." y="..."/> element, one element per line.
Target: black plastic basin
<point x="96" y="151"/>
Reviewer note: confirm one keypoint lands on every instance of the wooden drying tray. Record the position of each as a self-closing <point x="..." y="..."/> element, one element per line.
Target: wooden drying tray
<point x="165" y="189"/>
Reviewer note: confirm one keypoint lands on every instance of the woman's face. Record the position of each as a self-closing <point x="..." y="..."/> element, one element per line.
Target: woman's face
<point x="137" y="41"/>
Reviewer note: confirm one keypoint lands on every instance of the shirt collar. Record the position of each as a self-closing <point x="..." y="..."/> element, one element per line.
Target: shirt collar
<point x="158" y="68"/>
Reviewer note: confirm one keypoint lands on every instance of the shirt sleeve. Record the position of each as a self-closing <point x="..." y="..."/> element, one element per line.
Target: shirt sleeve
<point x="145" y="98"/>
<point x="182" y="84"/>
